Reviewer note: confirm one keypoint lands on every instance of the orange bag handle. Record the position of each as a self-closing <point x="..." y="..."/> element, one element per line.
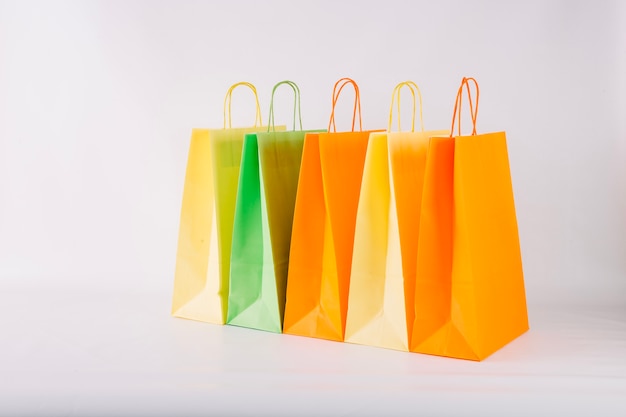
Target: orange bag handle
<point x="396" y="91"/>
<point x="357" y="103"/>
<point x="459" y="100"/>
<point x="228" y="104"/>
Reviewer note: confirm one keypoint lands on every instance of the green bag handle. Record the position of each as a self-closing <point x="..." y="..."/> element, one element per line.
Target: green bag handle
<point x="296" y="105"/>
<point x="228" y="104"/>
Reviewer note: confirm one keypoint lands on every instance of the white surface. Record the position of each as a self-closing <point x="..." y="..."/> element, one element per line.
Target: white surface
<point x="85" y="354"/>
<point x="97" y="101"/>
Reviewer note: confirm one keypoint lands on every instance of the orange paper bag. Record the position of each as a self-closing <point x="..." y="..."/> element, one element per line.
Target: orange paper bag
<point x="323" y="228"/>
<point x="469" y="293"/>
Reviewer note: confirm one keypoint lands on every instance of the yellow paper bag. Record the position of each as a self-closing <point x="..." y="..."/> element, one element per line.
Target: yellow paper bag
<point x="206" y="220"/>
<point x="382" y="283"/>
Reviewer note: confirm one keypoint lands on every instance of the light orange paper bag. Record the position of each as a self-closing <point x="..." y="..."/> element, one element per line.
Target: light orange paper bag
<point x="382" y="282"/>
<point x="469" y="292"/>
<point x="323" y="229"/>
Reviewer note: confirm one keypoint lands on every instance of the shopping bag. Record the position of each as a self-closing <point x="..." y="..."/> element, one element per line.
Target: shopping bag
<point x="323" y="228"/>
<point x="262" y="226"/>
<point x="469" y="293"/>
<point x="382" y="282"/>
<point x="206" y="221"/>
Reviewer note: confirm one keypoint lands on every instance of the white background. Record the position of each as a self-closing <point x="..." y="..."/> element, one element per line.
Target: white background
<point x="98" y="99"/>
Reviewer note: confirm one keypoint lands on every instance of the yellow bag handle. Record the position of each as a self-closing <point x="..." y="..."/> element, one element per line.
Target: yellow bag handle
<point x="228" y="104"/>
<point x="457" y="105"/>
<point x="357" y="103"/>
<point x="412" y="86"/>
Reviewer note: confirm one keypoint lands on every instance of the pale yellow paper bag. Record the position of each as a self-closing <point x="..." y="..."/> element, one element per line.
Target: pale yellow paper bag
<point x="206" y="220"/>
<point x="382" y="283"/>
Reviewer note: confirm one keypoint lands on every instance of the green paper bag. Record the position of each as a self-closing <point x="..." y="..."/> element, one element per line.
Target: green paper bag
<point x="268" y="180"/>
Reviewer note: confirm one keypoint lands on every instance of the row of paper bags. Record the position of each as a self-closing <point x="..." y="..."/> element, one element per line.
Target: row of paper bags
<point x="403" y="240"/>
